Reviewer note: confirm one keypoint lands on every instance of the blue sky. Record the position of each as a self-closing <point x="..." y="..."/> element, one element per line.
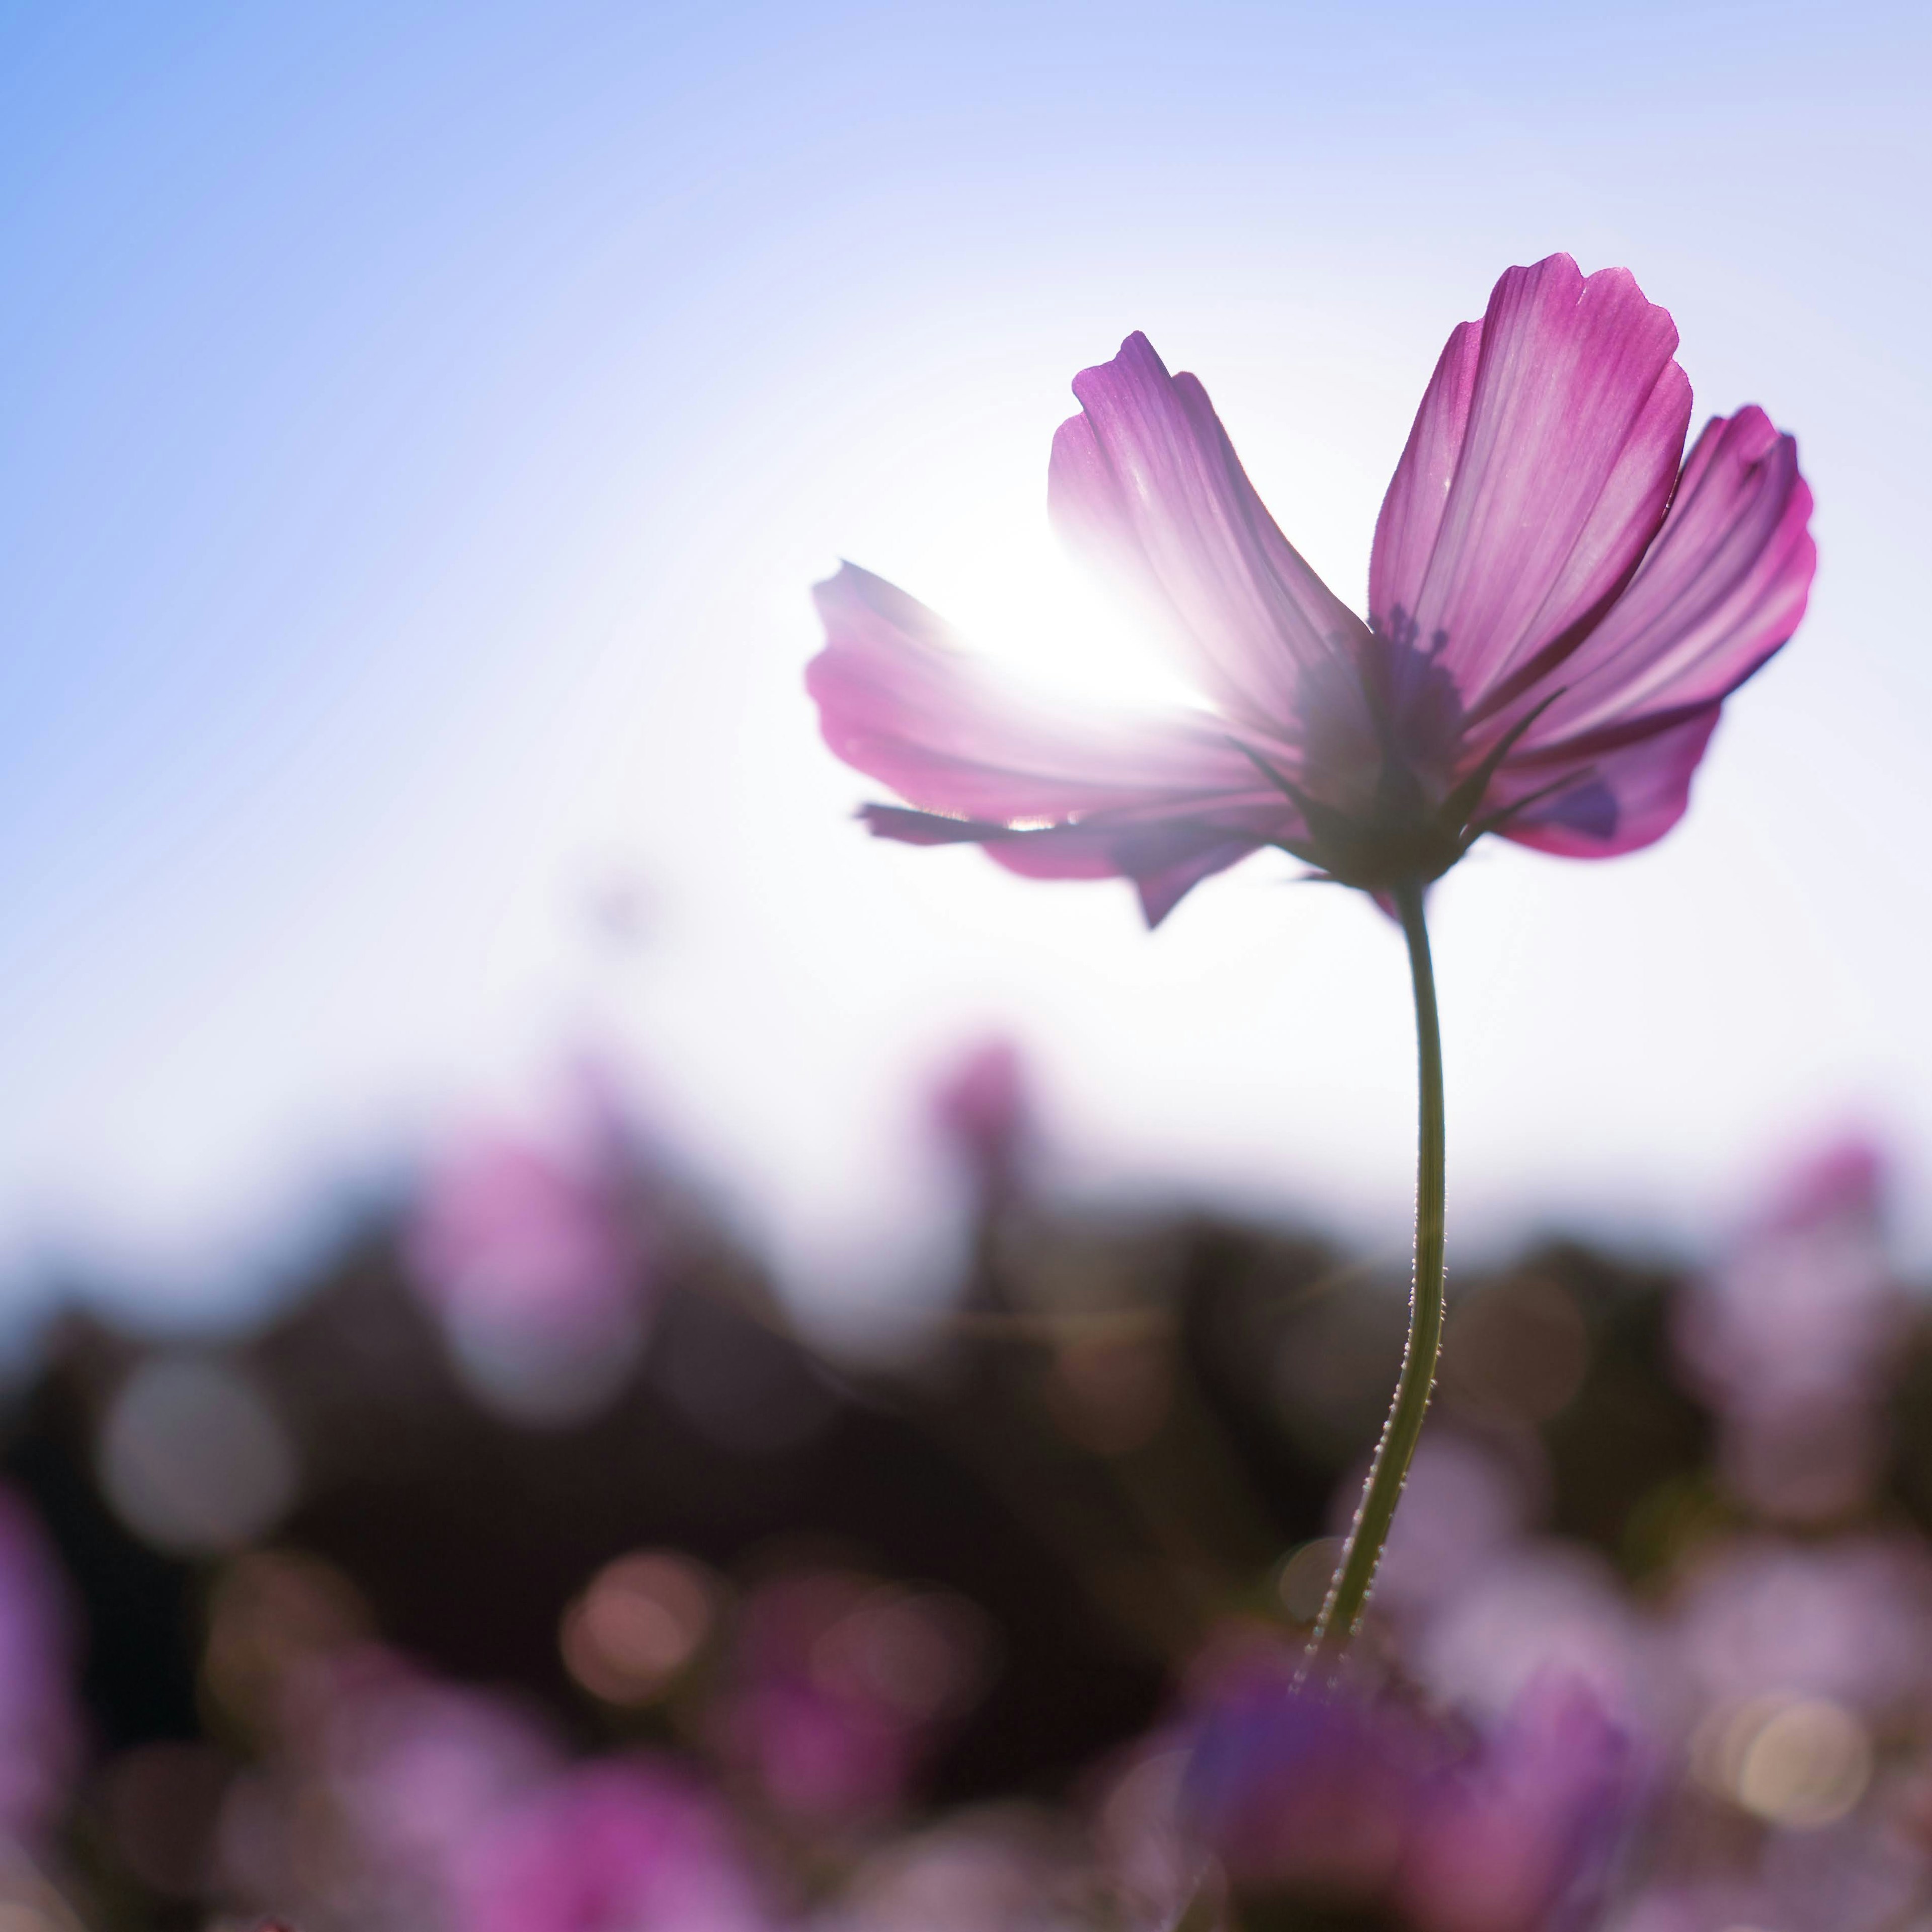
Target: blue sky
<point x="418" y="427"/>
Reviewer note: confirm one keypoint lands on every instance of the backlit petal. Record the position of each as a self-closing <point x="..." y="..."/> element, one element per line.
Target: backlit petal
<point x="1722" y="587"/>
<point x="1165" y="859"/>
<point x="1418" y="493"/>
<point x="1145" y="481"/>
<point x="898" y="699"/>
<point x="1538" y="470"/>
<point x="1616" y="791"/>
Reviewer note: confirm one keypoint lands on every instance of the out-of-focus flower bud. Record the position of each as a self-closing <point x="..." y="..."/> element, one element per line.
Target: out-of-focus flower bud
<point x="1790" y="1338"/>
<point x="536" y="1254"/>
<point x="839" y="1686"/>
<point x="983" y="1112"/>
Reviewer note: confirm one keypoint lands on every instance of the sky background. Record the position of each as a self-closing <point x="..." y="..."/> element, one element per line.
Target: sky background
<point x="419" y="428"/>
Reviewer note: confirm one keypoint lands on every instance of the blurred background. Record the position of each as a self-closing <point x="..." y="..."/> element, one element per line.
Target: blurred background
<point x="557" y="1299"/>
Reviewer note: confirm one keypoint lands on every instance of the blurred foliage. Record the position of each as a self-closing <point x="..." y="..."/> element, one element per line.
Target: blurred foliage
<point x="1022" y="1538"/>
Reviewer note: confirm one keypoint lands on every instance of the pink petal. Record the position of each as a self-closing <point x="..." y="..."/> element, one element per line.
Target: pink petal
<point x="1538" y="470"/>
<point x="1627" y="785"/>
<point x="1165" y="858"/>
<point x="1722" y="587"/>
<point x="1165" y="862"/>
<point x="1164" y="802"/>
<point x="1145" y="480"/>
<point x="898" y="699"/>
<point x="1418" y="493"/>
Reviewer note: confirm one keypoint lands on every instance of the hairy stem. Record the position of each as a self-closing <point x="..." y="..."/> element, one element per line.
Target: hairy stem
<point x="1341" y="1614"/>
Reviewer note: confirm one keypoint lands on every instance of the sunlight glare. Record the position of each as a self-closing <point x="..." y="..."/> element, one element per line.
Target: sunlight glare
<point x="1071" y="641"/>
<point x="1014" y="592"/>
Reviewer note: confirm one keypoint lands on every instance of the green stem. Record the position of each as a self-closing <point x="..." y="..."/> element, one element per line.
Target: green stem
<point x="1341" y="1614"/>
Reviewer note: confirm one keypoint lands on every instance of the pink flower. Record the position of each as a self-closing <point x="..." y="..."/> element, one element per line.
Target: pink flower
<point x="1523" y="1832"/>
<point x="1306" y="1788"/>
<point x="40" y="1727"/>
<point x="1793" y="1337"/>
<point x="417" y="1769"/>
<point x="539" y="1255"/>
<point x="981" y="1107"/>
<point x="1329" y="1793"/>
<point x="518" y="1232"/>
<point x="1848" y="1621"/>
<point x="619" y="1846"/>
<point x="837" y="1687"/>
<point x="1557" y="612"/>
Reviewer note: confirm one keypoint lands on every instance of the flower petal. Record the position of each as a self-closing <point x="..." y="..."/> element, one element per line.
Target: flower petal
<point x="1146" y="480"/>
<point x="1418" y="493"/>
<point x="1165" y="859"/>
<point x="1538" y="471"/>
<point x="1163" y="802"/>
<point x="1607" y="792"/>
<point x="1722" y="587"/>
<point x="898" y="699"/>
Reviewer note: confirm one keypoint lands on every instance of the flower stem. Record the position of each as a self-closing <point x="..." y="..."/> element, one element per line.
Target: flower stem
<point x="1341" y="1614"/>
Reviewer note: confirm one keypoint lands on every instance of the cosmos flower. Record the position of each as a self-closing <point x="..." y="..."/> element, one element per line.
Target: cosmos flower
<point x="1308" y="1788"/>
<point x="1557" y="611"/>
<point x="1331" y="1793"/>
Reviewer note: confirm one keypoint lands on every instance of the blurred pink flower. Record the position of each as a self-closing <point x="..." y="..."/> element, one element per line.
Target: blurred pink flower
<point x="818" y="1756"/>
<point x="622" y="1846"/>
<point x="1849" y="1620"/>
<point x="981" y="1106"/>
<point x="40" y="1727"/>
<point x="837" y="1684"/>
<point x="1463" y="1508"/>
<point x="980" y="1103"/>
<point x="1301" y="1786"/>
<point x="1526" y="1824"/>
<point x="1151" y="1864"/>
<point x="1791" y="1337"/>
<point x="1556" y="613"/>
<point x="516" y="1231"/>
<point x="1547" y="1609"/>
<point x="536" y="1253"/>
<point x="454" y="1808"/>
<point x="1848" y="1878"/>
<point x="383" y="1780"/>
<point x="1327" y="1792"/>
<point x="1002" y="1868"/>
<point x="419" y="1768"/>
<point x="1724" y="1906"/>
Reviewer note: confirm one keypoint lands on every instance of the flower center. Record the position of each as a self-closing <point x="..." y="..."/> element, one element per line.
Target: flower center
<point x="1381" y="737"/>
